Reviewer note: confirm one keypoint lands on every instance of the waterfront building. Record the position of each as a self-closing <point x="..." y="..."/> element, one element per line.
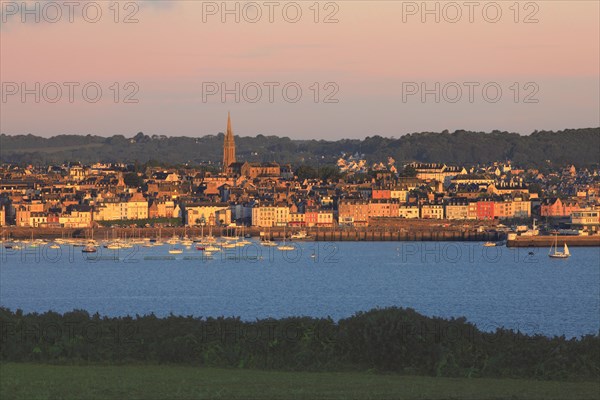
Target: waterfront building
<point x="555" y="207"/>
<point x="25" y="210"/>
<point x="432" y="211"/>
<point x="461" y="209"/>
<point x="322" y="218"/>
<point x="116" y="209"/>
<point x="297" y="219"/>
<point x="353" y="212"/>
<point x="209" y="214"/>
<point x="408" y="211"/>
<point x="485" y="210"/>
<point x="269" y="215"/>
<point x="588" y="219"/>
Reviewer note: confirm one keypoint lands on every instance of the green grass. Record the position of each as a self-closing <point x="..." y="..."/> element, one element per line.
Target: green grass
<point x="36" y="381"/>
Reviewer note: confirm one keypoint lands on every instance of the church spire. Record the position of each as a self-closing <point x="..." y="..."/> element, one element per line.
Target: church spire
<point x="229" y="131"/>
<point x="228" y="145"/>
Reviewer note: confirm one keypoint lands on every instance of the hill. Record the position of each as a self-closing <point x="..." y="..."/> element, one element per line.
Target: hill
<point x="572" y="146"/>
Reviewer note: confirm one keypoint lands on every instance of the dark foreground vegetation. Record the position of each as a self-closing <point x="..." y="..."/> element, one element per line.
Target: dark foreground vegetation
<point x="26" y="381"/>
<point x="383" y="340"/>
<point x="570" y="146"/>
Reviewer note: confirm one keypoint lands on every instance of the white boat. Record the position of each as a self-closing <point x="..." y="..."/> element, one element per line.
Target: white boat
<point x="302" y="235"/>
<point x="175" y="251"/>
<point x="90" y="248"/>
<point x="286" y="247"/>
<point x="489" y="244"/>
<point x="558" y="254"/>
<point x="268" y="243"/>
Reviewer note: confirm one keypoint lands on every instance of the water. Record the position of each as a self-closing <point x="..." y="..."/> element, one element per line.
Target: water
<point x="491" y="287"/>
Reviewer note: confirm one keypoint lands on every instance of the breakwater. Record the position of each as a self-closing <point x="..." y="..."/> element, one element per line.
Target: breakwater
<point x="547" y="241"/>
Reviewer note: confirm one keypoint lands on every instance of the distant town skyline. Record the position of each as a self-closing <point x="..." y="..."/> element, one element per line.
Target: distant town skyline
<point x="372" y="60"/>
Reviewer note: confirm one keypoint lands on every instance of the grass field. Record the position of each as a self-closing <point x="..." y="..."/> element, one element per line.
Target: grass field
<point x="34" y="381"/>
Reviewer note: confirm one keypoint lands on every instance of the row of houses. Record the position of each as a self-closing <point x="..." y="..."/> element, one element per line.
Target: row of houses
<point x="356" y="212"/>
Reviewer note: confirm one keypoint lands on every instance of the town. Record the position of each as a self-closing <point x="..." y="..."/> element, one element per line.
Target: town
<point x="270" y="195"/>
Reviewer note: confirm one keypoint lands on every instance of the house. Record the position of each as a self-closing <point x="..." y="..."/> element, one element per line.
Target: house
<point x="322" y="218"/>
<point x="268" y="215"/>
<point x="588" y="219"/>
<point x="485" y="210"/>
<point x="461" y="209"/>
<point x="555" y="207"/>
<point x="432" y="211"/>
<point x="408" y="211"/>
<point x="207" y="214"/>
<point x="353" y="212"/>
<point x="436" y="172"/>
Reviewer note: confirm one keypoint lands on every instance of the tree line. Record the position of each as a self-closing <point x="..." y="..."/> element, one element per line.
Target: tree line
<point x="571" y="146"/>
<point x="386" y="340"/>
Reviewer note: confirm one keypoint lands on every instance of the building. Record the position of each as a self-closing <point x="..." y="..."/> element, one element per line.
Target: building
<point x="588" y="219"/>
<point x="207" y="214"/>
<point x="137" y="207"/>
<point x="399" y="194"/>
<point x="485" y="210"/>
<point x="408" y="211"/>
<point x="521" y="208"/>
<point x="228" y="146"/>
<point x="461" y="209"/>
<point x="76" y="217"/>
<point x="24" y="213"/>
<point x="256" y="170"/>
<point x="134" y="208"/>
<point x="436" y="172"/>
<point x="353" y="212"/>
<point x="381" y="194"/>
<point x="432" y="211"/>
<point x="383" y="208"/>
<point x="266" y="216"/>
<point x="37" y="219"/>
<point x="109" y="210"/>
<point x="555" y="207"/>
<point x="297" y="219"/>
<point x="321" y="218"/>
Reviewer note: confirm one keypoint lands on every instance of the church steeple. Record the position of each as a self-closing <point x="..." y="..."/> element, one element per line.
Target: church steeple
<point x="228" y="146"/>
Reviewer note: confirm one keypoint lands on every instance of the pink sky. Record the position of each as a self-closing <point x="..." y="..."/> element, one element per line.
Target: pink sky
<point x="368" y="54"/>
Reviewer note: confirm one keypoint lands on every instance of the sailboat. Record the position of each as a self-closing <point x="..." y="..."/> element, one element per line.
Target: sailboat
<point x="559" y="254"/>
<point x="266" y="239"/>
<point x="285" y="247"/>
<point x="175" y="250"/>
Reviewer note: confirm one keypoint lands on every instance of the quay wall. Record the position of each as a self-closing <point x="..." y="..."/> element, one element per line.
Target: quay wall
<point x="321" y="234"/>
<point x="547" y="241"/>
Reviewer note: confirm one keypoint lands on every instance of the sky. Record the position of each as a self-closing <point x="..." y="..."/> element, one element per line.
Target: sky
<point x="304" y="69"/>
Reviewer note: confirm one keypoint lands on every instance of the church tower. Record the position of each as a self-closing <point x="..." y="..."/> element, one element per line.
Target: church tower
<point x="228" y="146"/>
